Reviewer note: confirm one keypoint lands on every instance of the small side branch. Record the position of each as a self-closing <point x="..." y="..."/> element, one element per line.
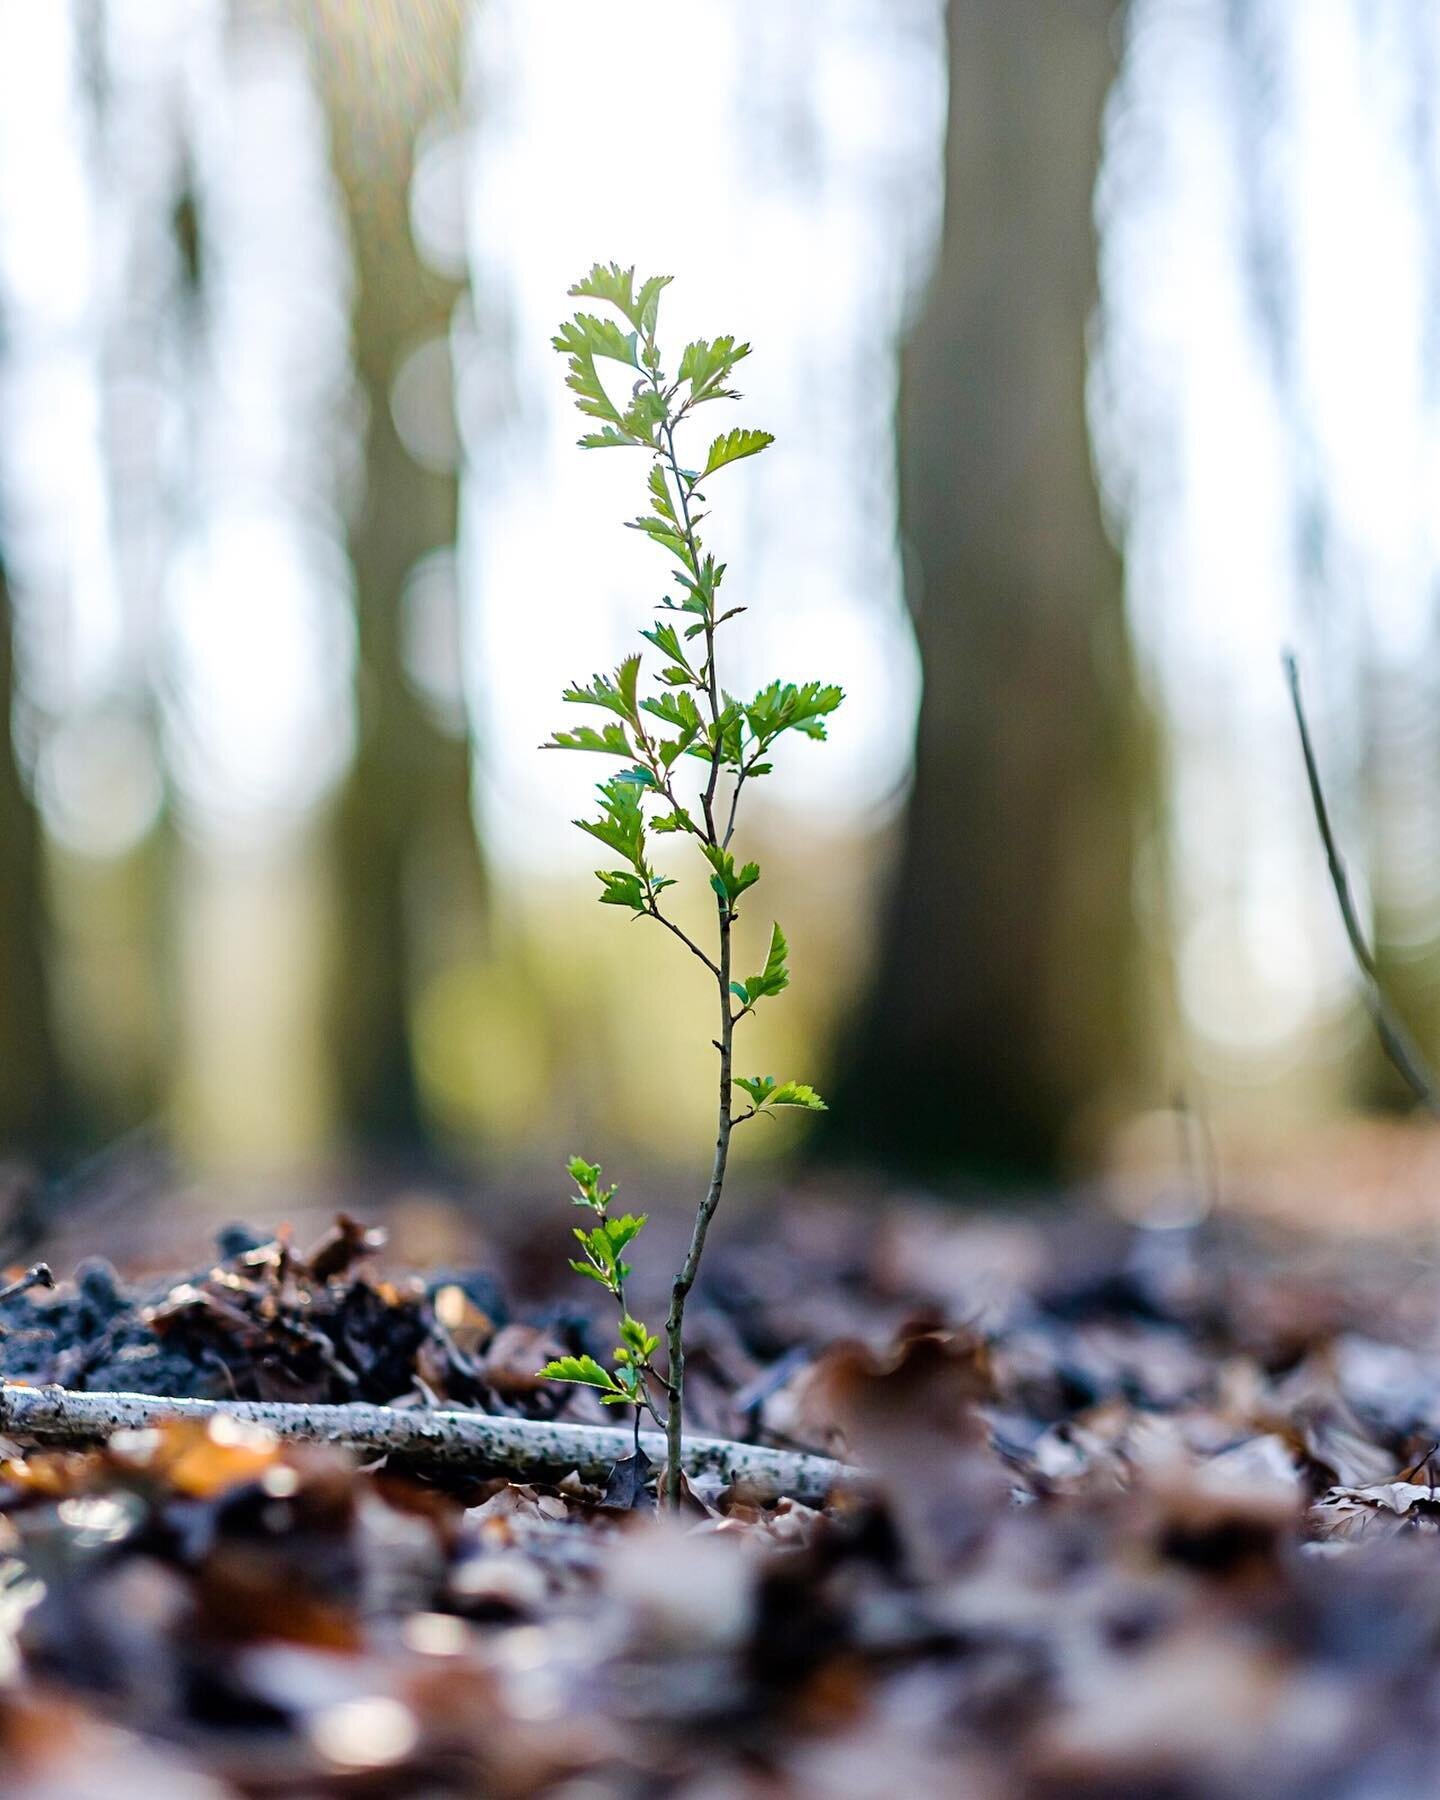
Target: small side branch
<point x="1395" y="1039"/>
<point x="685" y="939"/>
<point x="458" y="1440"/>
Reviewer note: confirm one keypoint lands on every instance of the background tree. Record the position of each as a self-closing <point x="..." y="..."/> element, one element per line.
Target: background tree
<point x="403" y="826"/>
<point x="32" y="1094"/>
<point x="1002" y="998"/>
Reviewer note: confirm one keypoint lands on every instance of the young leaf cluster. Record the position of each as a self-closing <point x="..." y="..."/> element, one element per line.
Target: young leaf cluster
<point x="602" y="1246"/>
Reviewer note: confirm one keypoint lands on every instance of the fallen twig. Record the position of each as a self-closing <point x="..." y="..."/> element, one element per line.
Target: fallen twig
<point x="475" y="1441"/>
<point x="1395" y="1038"/>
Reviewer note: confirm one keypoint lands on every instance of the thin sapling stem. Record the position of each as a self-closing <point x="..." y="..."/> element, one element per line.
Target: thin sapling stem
<point x="697" y="718"/>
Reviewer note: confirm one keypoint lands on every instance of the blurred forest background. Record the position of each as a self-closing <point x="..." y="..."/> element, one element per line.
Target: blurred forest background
<point x="1102" y="343"/>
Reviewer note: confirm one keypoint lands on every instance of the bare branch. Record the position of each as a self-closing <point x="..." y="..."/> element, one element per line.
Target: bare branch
<point x="521" y="1447"/>
<point x="1395" y="1039"/>
<point x="685" y="939"/>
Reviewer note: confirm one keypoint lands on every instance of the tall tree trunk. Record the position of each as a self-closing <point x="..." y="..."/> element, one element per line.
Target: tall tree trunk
<point x="403" y="826"/>
<point x="1002" y="1003"/>
<point x="33" y="1111"/>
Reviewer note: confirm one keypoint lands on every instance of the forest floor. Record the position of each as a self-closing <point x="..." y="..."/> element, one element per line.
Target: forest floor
<point x="1145" y="1513"/>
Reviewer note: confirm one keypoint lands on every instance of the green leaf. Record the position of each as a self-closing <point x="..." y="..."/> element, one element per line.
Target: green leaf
<point x="610" y="740"/>
<point x="626" y="1381"/>
<point x="660" y="496"/>
<point x="616" y="693"/>
<point x="610" y="436"/>
<point x="765" y="1091"/>
<point x="677" y="709"/>
<point x="796" y="1093"/>
<point x="638" y="776"/>
<point x="727" y="733"/>
<point x="728" y="882"/>
<point x="586" y="335"/>
<point x="581" y="1369"/>
<point x="622" y="889"/>
<point x="646" y="410"/>
<point x="758" y="1087"/>
<point x="733" y="445"/>
<point x="586" y="1177"/>
<point x="607" y="281"/>
<point x="647" y="303"/>
<point x="625" y="1229"/>
<point x="597" y="1246"/>
<point x="611" y="282"/>
<point x="666" y="535"/>
<point x="636" y="1340"/>
<point x="582" y="339"/>
<point x="666" y="640"/>
<point x="706" y="363"/>
<point x="774" y="978"/>
<point x="622" y="824"/>
<point x="782" y="706"/>
<point x="679" y="820"/>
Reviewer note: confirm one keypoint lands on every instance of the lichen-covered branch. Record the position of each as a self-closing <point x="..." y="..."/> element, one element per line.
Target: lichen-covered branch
<point x="56" y="1416"/>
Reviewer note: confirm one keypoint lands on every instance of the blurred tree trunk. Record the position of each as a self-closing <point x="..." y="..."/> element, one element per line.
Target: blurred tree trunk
<point x="1002" y="999"/>
<point x="33" y="1112"/>
<point x="404" y="837"/>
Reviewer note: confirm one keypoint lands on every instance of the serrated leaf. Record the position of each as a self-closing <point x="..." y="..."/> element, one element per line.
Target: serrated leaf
<point x="708" y="362"/>
<point x="679" y="820"/>
<point x="728" y="882"/>
<point x="586" y="1177"/>
<point x="666" y="640"/>
<point x="646" y="410"/>
<point x="622" y="824"/>
<point x="637" y="1339"/>
<point x="610" y="437"/>
<point x="765" y="1091"/>
<point x="582" y="339"/>
<point x="660" y="495"/>
<point x="664" y="534"/>
<point x="647" y="302"/>
<point x="597" y="1245"/>
<point x="622" y="889"/>
<point x="734" y="445"/>
<point x="774" y="978"/>
<point x="677" y="709"/>
<point x="638" y="776"/>
<point x="796" y="1093"/>
<point x="784" y="706"/>
<point x="583" y="1370"/>
<point x="625" y="1229"/>
<point x="608" y="281"/>
<point x="616" y="693"/>
<point x="587" y="334"/>
<point x="610" y="740"/>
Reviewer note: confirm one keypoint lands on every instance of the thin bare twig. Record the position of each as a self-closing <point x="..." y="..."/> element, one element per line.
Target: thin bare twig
<point x="1395" y="1039"/>
<point x="476" y="1441"/>
<point x="684" y="937"/>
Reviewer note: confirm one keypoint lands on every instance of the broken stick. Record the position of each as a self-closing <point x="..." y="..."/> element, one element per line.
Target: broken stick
<point x="479" y="1442"/>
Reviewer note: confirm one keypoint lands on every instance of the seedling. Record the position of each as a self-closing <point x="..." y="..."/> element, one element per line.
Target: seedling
<point x="687" y="722"/>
